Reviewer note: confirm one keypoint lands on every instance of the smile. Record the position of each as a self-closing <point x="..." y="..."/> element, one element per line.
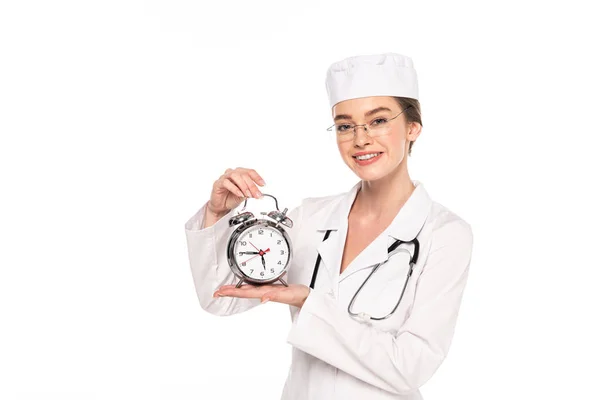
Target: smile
<point x="365" y="159"/>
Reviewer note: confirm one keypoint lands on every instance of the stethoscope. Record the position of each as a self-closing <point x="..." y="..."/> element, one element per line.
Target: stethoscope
<point x="364" y="316"/>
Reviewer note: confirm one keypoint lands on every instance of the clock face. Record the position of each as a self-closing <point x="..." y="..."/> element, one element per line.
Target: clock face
<point x="261" y="252"/>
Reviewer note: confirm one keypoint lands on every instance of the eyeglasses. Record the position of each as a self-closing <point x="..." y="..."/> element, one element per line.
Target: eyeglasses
<point x="378" y="127"/>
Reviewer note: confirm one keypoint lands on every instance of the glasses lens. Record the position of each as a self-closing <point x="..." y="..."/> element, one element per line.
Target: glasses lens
<point x="344" y="132"/>
<point x="379" y="127"/>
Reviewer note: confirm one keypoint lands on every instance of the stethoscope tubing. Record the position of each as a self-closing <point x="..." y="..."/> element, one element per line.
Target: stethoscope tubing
<point x="391" y="249"/>
<point x="375" y="268"/>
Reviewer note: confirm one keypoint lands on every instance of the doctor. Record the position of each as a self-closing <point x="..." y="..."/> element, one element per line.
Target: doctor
<point x="340" y="239"/>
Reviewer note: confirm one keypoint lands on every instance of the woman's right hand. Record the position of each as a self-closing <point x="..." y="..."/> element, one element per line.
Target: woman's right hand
<point x="232" y="188"/>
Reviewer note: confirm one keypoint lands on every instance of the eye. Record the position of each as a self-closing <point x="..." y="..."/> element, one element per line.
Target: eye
<point x="379" y="121"/>
<point x="342" y="128"/>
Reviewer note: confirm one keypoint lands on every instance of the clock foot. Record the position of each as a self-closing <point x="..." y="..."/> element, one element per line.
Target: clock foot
<point x="283" y="282"/>
<point x="240" y="283"/>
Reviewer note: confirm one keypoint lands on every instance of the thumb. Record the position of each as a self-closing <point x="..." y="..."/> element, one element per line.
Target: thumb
<point x="272" y="295"/>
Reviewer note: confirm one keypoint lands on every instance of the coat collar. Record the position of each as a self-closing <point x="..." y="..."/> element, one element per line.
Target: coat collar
<point x="405" y="226"/>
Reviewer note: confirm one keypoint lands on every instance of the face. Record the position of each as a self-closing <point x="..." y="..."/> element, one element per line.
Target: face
<point x="261" y="252"/>
<point x="391" y="149"/>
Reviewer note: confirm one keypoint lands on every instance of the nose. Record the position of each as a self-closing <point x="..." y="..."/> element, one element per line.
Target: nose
<point x="363" y="138"/>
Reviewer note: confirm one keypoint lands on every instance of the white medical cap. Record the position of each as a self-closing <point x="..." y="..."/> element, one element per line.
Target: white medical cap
<point x="387" y="74"/>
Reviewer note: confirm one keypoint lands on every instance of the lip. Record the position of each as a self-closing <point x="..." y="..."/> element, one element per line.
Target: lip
<point x="362" y="153"/>
<point x="369" y="161"/>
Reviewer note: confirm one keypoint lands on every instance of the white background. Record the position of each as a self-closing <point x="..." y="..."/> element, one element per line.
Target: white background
<point x="117" y="116"/>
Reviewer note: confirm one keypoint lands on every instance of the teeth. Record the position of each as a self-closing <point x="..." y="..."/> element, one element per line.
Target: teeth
<point x="367" y="156"/>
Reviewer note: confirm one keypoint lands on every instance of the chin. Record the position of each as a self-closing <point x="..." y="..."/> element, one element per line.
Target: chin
<point x="370" y="174"/>
<point x="373" y="176"/>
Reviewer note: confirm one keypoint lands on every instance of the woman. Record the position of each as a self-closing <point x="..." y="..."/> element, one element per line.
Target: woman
<point x="373" y="353"/>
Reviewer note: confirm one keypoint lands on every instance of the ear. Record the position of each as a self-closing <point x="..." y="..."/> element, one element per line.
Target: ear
<point x="414" y="130"/>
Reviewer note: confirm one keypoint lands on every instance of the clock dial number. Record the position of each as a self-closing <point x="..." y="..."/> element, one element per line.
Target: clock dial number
<point x="255" y="252"/>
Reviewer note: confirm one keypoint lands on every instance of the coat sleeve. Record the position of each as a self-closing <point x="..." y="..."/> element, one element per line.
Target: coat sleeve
<point x="402" y="362"/>
<point x="207" y="253"/>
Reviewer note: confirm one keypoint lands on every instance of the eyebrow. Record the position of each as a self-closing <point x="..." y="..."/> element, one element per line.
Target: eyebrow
<point x="367" y="114"/>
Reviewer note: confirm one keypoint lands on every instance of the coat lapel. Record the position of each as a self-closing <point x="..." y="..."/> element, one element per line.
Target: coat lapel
<point x="405" y="227"/>
<point x="331" y="255"/>
<point x="335" y="218"/>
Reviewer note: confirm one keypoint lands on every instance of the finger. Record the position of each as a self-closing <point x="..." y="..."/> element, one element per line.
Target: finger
<point x="240" y="293"/>
<point x="225" y="174"/>
<point x="252" y="186"/>
<point x="279" y="296"/>
<point x="247" y="291"/>
<point x="224" y="292"/>
<point x="227" y="184"/>
<point x="220" y="292"/>
<point x="256" y="177"/>
<point x="237" y="179"/>
<point x="249" y="286"/>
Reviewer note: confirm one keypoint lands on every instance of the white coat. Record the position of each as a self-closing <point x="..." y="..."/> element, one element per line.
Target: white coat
<point x="333" y="355"/>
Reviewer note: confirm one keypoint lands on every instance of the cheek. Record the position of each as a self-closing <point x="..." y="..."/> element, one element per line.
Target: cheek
<point x="396" y="145"/>
<point x="344" y="149"/>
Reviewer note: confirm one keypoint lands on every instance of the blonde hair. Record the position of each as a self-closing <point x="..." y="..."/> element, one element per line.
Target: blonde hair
<point x="412" y="114"/>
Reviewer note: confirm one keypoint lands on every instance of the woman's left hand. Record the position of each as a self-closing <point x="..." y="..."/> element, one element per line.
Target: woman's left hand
<point x="294" y="294"/>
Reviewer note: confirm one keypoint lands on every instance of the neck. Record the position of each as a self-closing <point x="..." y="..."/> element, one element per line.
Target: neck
<point x="383" y="197"/>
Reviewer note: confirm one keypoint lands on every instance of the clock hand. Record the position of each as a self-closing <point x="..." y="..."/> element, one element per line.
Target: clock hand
<point x="249" y="252"/>
<point x="252" y="258"/>
<point x="254" y="246"/>
<point x="261" y="252"/>
<point x="263" y="262"/>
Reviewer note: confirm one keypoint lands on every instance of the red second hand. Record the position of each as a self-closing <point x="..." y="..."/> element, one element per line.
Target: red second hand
<point x="243" y="262"/>
<point x="263" y="252"/>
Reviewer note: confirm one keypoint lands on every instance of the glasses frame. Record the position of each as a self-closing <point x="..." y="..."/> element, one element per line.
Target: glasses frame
<point x="353" y="127"/>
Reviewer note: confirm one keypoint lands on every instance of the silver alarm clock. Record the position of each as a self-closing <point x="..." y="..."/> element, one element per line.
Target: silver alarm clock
<point x="259" y="250"/>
